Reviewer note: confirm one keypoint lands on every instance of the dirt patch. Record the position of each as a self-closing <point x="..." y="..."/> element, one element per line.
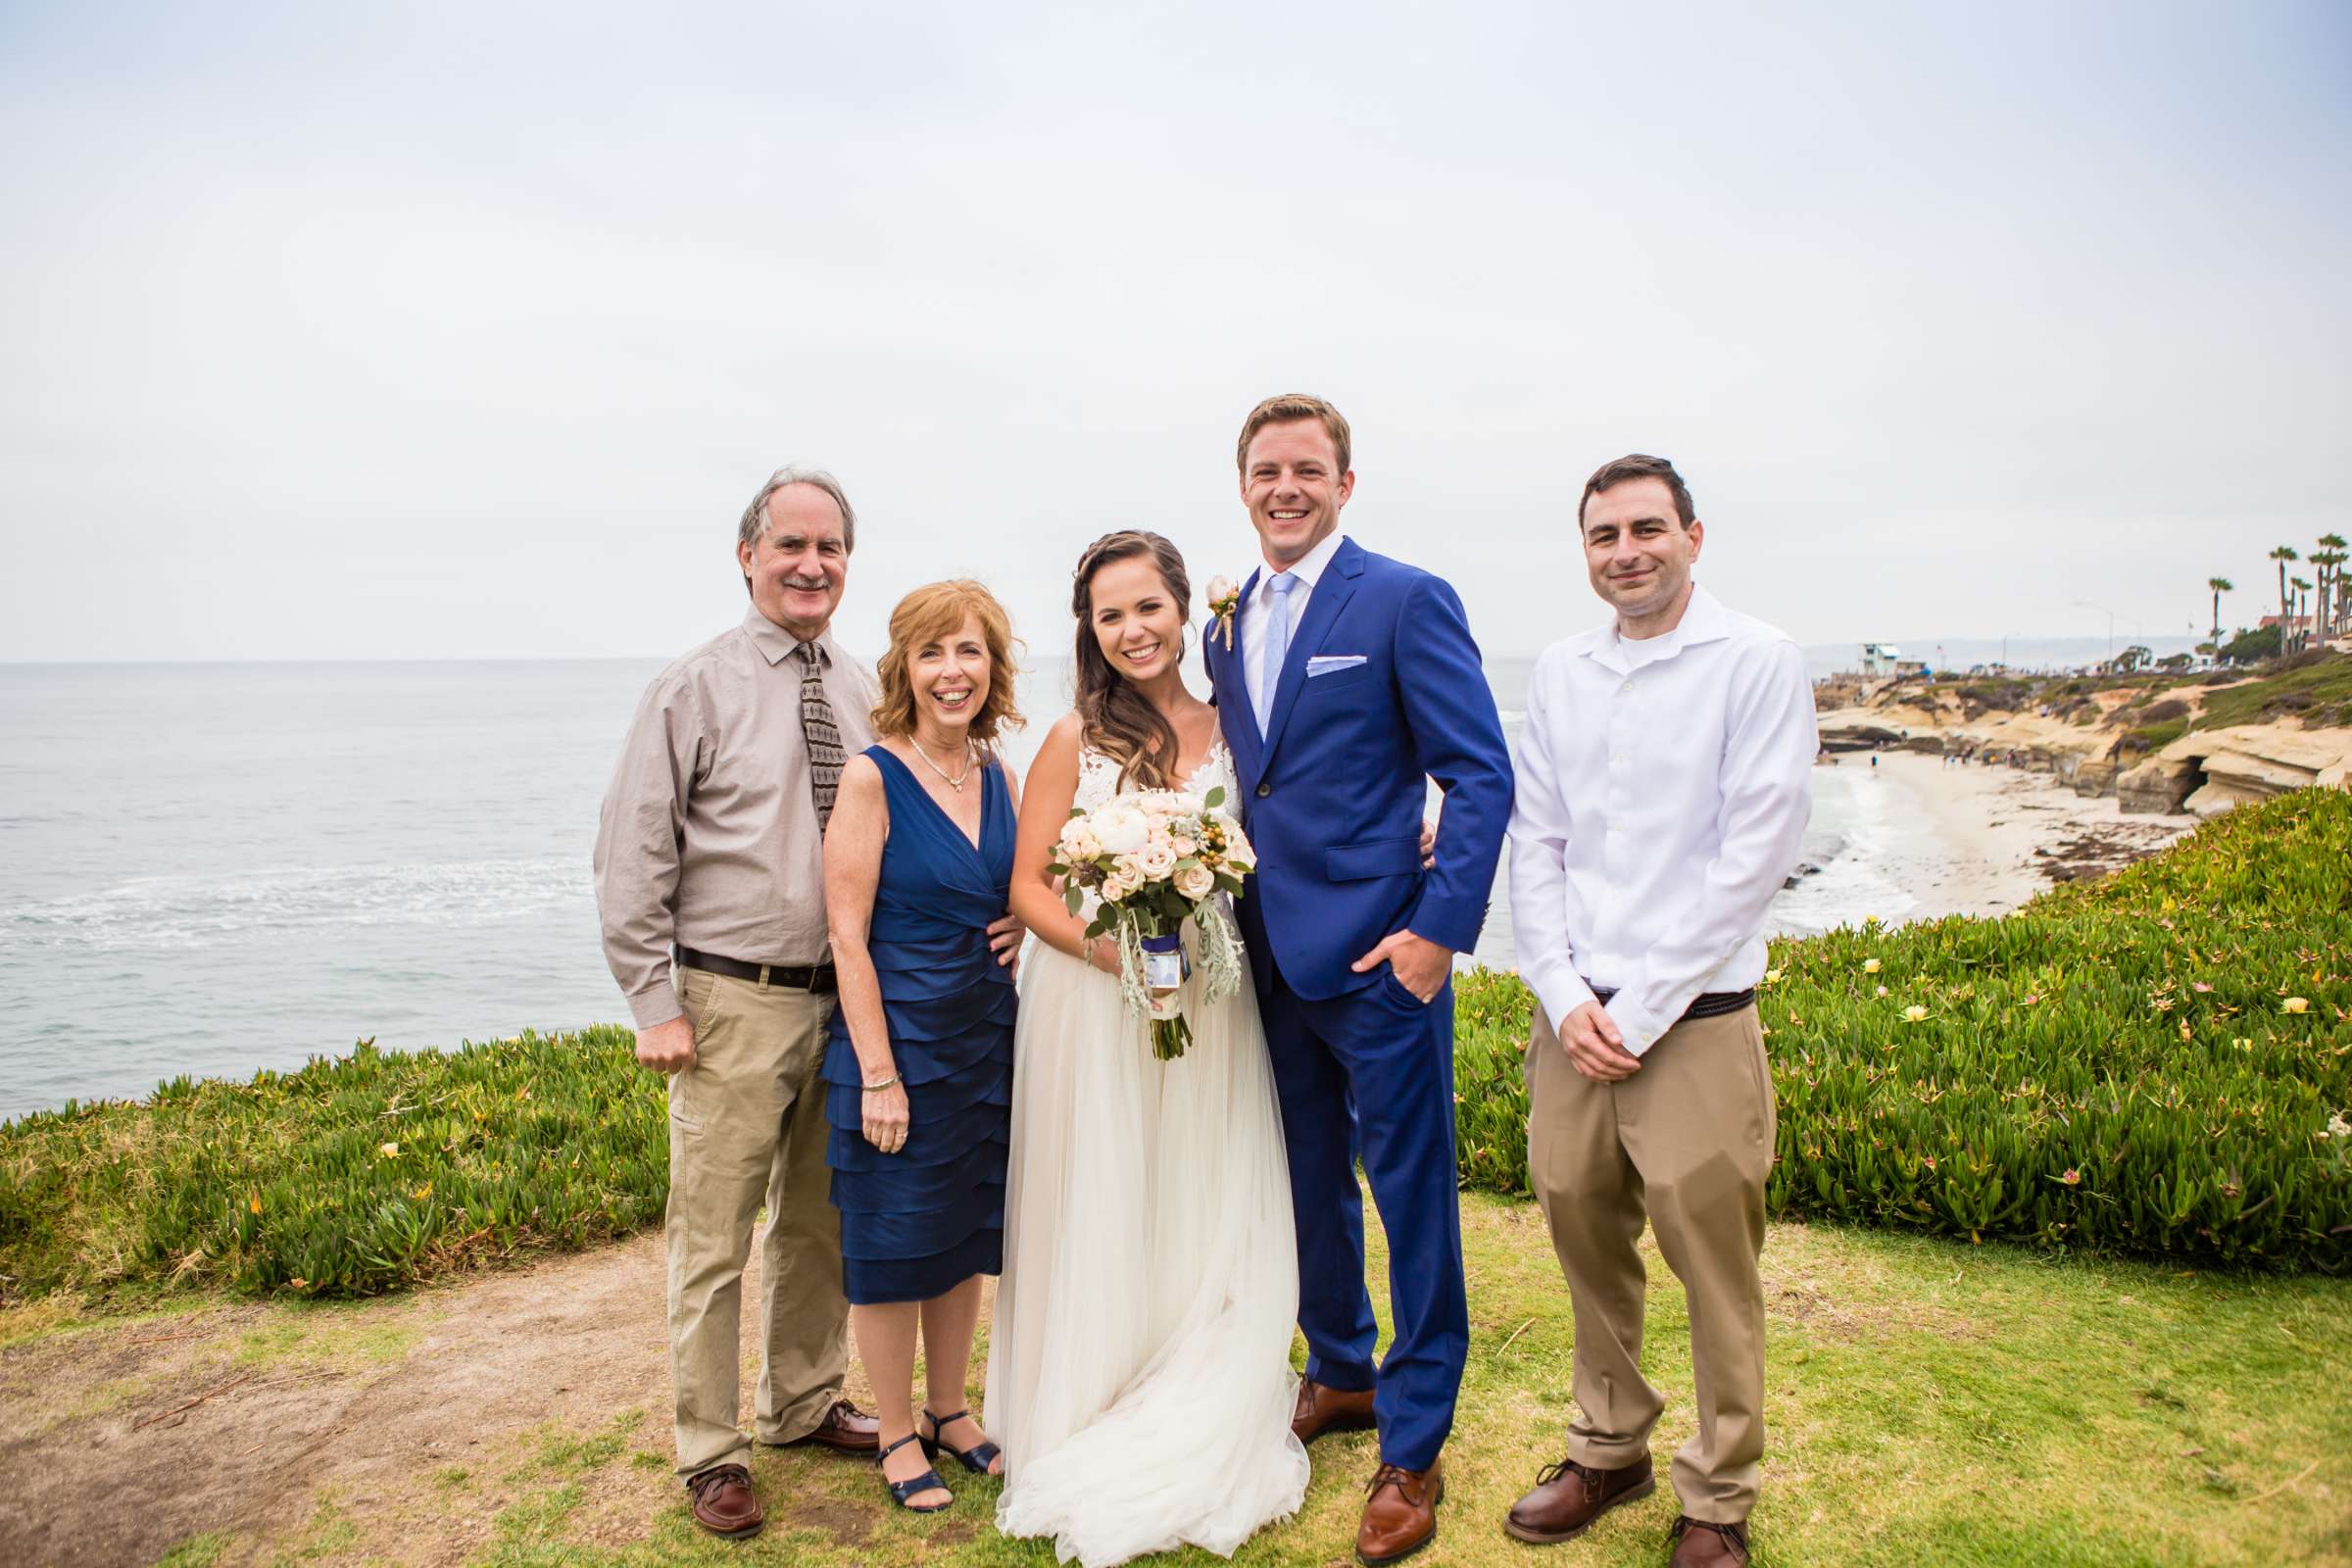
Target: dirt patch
<point x="249" y="1419"/>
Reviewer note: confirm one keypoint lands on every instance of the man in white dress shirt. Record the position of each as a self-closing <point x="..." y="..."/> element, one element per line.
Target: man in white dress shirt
<point x="1662" y="797"/>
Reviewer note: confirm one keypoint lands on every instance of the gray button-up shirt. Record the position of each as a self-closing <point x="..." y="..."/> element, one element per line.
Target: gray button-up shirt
<point x="709" y="835"/>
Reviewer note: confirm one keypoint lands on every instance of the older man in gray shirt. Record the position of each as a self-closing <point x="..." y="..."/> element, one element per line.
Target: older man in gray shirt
<point x="710" y="880"/>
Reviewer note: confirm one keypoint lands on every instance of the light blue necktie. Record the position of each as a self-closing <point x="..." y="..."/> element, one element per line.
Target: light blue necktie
<point x="1275" y="643"/>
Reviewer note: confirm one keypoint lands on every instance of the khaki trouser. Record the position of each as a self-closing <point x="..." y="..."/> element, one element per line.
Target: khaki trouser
<point x="747" y="1127"/>
<point x="1690" y="1139"/>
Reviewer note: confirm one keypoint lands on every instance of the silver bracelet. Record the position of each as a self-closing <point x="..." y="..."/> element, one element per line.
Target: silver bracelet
<point x="876" y="1089"/>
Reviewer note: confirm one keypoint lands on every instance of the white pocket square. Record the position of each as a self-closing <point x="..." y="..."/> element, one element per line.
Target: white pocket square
<point x="1325" y="664"/>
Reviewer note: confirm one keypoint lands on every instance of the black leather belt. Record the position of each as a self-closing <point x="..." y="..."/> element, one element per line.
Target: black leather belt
<point x="1707" y="1005"/>
<point x="793" y="976"/>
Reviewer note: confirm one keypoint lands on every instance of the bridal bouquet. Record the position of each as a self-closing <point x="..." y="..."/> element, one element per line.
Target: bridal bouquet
<point x="1156" y="859"/>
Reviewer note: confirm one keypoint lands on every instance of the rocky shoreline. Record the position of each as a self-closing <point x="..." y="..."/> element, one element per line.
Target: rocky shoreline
<point x="2134" y="740"/>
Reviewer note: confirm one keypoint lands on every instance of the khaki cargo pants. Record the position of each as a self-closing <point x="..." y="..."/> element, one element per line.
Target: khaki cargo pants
<point x="747" y="1127"/>
<point x="1689" y="1142"/>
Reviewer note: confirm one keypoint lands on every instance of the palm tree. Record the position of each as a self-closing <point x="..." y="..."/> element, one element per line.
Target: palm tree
<point x="2282" y="555"/>
<point x="2302" y="597"/>
<point x="2220" y="586"/>
<point x="2332" y="581"/>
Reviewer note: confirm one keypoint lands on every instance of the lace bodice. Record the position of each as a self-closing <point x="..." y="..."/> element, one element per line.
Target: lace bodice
<point x="1099" y="777"/>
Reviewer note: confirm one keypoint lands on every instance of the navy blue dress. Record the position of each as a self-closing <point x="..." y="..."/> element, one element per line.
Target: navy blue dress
<point x="916" y="1223"/>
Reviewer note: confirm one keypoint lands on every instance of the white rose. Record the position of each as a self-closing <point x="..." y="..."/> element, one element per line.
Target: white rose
<point x="1189" y="804"/>
<point x="1126" y="868"/>
<point x="1113" y="889"/>
<point x="1078" y="841"/>
<point x="1196" y="881"/>
<point x="1121" y="828"/>
<point x="1155" y="861"/>
<point x="1221" y="588"/>
<point x="1237" y="853"/>
<point x="1184" y="844"/>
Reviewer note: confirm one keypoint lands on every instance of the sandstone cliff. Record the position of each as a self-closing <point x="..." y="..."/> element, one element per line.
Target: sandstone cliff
<point x="2138" y="740"/>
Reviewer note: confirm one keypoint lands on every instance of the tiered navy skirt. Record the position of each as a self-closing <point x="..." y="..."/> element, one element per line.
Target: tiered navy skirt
<point x="916" y="1223"/>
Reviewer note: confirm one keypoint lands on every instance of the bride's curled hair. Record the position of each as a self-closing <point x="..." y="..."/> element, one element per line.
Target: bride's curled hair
<point x="1114" y="718"/>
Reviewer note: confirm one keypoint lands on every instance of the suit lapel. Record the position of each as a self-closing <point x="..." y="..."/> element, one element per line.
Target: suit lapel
<point x="1323" y="608"/>
<point x="1233" y="696"/>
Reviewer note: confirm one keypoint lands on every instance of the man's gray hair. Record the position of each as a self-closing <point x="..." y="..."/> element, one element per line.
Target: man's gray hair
<point x="755" y="516"/>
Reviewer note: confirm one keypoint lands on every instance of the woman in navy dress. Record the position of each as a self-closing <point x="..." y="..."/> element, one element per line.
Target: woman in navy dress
<point x="918" y="1065"/>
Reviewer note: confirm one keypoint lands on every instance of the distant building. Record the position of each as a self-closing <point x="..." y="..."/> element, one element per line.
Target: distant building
<point x="2291" y="625"/>
<point x="1878" y="658"/>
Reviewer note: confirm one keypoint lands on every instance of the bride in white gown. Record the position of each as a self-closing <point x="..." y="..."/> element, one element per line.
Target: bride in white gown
<point x="1139" y="1375"/>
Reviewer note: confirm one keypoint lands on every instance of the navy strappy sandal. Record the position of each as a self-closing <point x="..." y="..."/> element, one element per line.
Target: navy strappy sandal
<point x="976" y="1459"/>
<point x="904" y="1490"/>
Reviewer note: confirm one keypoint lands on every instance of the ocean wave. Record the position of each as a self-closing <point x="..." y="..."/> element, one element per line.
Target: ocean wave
<point x="1849" y="885"/>
<point x="190" y="912"/>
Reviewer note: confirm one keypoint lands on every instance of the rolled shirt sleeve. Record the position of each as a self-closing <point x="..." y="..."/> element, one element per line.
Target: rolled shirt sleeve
<point x="1538" y="846"/>
<point x="639" y="839"/>
<point x="1766" y="802"/>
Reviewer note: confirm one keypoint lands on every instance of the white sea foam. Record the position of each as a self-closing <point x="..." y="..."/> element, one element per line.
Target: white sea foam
<point x="1852" y="884"/>
<point x="182" y="913"/>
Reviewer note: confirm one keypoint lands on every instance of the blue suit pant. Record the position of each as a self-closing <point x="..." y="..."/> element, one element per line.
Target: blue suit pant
<point x="1370" y="1074"/>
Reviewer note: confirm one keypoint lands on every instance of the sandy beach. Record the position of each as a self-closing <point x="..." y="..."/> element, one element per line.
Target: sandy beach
<point x="1974" y="840"/>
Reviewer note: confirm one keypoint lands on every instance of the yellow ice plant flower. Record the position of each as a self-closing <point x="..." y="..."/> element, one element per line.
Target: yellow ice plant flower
<point x="1914" y="1013"/>
<point x="388" y="1151"/>
<point x="1870" y="966"/>
<point x="1772" y="977"/>
<point x="253" y="1201"/>
<point x="2295" y="1005"/>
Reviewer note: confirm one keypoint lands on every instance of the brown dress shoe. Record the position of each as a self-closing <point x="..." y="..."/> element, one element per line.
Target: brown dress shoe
<point x="1701" y="1545"/>
<point x="1322" y="1408"/>
<point x="845" y="1428"/>
<point x="1568" y="1496"/>
<point x="1400" y="1516"/>
<point x="724" y="1503"/>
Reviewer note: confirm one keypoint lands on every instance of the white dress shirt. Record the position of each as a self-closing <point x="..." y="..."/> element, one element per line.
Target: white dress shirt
<point x="1663" y="790"/>
<point x="1308" y="568"/>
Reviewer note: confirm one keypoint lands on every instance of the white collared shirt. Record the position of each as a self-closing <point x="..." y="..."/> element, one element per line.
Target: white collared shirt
<point x="1663" y="788"/>
<point x="1308" y="569"/>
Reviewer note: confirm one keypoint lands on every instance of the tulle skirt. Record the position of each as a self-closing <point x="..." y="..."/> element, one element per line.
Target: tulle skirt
<point x="1139" y="1374"/>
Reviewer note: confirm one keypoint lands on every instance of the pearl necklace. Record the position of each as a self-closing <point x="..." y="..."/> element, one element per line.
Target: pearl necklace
<point x="955" y="782"/>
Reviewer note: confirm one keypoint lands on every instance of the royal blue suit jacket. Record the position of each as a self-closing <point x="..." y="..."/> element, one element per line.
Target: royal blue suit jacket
<point x="1332" y="794"/>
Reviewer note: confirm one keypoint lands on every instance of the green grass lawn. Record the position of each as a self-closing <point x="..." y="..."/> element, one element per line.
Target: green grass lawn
<point x="1930" y="1403"/>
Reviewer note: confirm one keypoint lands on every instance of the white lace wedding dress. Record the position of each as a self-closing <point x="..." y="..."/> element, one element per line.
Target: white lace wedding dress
<point x="1139" y="1375"/>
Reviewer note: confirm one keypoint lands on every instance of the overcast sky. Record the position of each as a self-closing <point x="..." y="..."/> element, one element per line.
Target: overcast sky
<point x="467" y="329"/>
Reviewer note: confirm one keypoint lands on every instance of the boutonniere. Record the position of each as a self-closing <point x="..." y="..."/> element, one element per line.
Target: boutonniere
<point x="1224" y="599"/>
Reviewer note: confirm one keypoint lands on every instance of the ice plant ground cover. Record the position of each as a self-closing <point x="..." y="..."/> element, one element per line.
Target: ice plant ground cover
<point x="2159" y="1063"/>
<point x="2120" y="1068"/>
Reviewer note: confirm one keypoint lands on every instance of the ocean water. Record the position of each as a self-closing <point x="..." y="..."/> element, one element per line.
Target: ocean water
<point x="208" y="870"/>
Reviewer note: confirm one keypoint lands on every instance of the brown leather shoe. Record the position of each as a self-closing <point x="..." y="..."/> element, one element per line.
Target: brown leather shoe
<point x="845" y="1428"/>
<point x="1568" y="1496"/>
<point x="1322" y="1408"/>
<point x="1400" y="1516"/>
<point x="724" y="1503"/>
<point x="1701" y="1545"/>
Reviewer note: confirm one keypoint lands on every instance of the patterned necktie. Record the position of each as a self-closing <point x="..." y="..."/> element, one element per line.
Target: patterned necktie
<point x="817" y="728"/>
<point x="1275" y="643"/>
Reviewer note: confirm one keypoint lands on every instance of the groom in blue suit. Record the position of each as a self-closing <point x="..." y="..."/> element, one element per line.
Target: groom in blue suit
<point x="1344" y="681"/>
